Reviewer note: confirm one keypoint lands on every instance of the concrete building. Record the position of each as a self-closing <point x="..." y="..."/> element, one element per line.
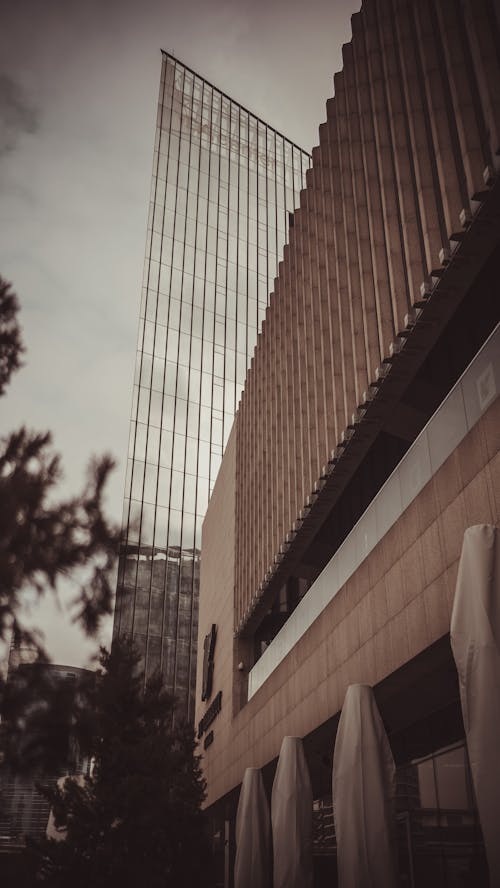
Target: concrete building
<point x="223" y="185"/>
<point x="24" y="811"/>
<point x="366" y="442"/>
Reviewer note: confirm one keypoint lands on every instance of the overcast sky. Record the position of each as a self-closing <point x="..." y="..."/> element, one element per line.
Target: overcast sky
<point x="78" y="92"/>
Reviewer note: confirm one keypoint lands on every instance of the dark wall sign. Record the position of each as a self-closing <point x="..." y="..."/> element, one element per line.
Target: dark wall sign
<point x="208" y="663"/>
<point x="211" y="713"/>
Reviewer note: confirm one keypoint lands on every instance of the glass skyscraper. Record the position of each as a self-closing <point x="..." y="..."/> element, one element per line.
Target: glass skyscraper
<point x="223" y="186"/>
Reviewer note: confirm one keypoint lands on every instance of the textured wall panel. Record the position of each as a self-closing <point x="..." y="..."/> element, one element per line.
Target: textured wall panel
<point x="408" y="139"/>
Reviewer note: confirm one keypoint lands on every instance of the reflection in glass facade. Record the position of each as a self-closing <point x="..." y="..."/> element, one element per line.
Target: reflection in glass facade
<point x="438" y="835"/>
<point x="223" y="185"/>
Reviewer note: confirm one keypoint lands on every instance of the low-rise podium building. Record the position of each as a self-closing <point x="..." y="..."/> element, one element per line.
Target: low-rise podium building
<point x="366" y="442"/>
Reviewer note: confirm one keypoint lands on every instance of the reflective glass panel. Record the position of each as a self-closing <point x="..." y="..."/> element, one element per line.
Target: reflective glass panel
<point x="218" y="178"/>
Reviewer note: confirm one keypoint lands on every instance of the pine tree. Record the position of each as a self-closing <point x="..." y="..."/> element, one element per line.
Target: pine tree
<point x="11" y="343"/>
<point x="42" y="539"/>
<point x="137" y="820"/>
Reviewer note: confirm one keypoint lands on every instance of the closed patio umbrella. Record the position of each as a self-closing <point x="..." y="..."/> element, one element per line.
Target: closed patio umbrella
<point x="291" y="817"/>
<point x="364" y="777"/>
<point x="252" y="867"/>
<point x="475" y="641"/>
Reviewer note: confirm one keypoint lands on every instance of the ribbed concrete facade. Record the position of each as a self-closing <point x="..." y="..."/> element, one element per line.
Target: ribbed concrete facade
<point x="411" y="138"/>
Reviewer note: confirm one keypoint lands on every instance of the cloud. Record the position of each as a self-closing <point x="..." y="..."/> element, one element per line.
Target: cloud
<point x="17" y="114"/>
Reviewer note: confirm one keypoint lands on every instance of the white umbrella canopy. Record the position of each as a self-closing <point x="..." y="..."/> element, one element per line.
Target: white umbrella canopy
<point x="252" y="867"/>
<point x="475" y="641"/>
<point x="291" y="817"/>
<point x="363" y="785"/>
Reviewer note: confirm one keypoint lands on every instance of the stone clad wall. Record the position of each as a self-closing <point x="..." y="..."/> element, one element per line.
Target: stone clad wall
<point x="394" y="606"/>
<point x="216" y="602"/>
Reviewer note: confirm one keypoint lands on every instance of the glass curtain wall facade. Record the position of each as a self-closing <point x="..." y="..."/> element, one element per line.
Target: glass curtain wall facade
<point x="223" y="186"/>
